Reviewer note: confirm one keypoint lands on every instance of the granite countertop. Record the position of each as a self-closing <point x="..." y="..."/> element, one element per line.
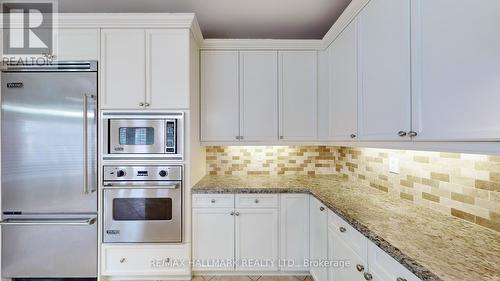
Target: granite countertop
<point x="432" y="245"/>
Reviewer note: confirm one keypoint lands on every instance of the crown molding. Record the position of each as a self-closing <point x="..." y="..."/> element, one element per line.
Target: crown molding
<point x="260" y="44"/>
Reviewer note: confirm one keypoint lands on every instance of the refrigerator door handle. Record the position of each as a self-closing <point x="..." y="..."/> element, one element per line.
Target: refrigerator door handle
<point x="85" y="143"/>
<point x="87" y="221"/>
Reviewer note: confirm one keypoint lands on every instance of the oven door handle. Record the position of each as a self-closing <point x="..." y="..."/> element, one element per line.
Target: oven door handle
<point x="86" y="221"/>
<point x="170" y="186"/>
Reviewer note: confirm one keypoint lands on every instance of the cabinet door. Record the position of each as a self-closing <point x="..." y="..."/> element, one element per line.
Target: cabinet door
<point x="343" y="87"/>
<point x="167" y="68"/>
<point x="383" y="267"/>
<point x="259" y="95"/>
<point x="318" y="239"/>
<point x="294" y="231"/>
<point x="456" y="65"/>
<point x="298" y="95"/>
<point x="219" y="96"/>
<point x="78" y="44"/>
<point x="340" y="250"/>
<point x="256" y="239"/>
<point x="213" y="238"/>
<point x="384" y="67"/>
<point x="123" y="68"/>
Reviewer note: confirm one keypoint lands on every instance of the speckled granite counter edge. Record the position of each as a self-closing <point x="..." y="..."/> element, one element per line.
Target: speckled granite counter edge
<point x="420" y="271"/>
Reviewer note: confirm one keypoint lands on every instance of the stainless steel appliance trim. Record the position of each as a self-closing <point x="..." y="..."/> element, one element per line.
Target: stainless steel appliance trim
<point x="141" y="185"/>
<point x="88" y="221"/>
<point x="54" y="66"/>
<point x="130" y="173"/>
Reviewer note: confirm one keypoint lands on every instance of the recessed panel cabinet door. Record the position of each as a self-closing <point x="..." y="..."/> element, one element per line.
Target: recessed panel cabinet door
<point x="318" y="230"/>
<point x="256" y="239"/>
<point x="344" y="85"/>
<point x="167" y="69"/>
<point x="298" y="95"/>
<point x="456" y="70"/>
<point x="384" y="68"/>
<point x="259" y="95"/>
<point x="78" y="44"/>
<point x="340" y="250"/>
<point x="213" y="238"/>
<point x="123" y="68"/>
<point x="219" y="96"/>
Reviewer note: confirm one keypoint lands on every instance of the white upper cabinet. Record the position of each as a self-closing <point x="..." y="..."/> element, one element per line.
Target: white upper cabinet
<point x="167" y="70"/>
<point x="219" y="96"/>
<point x="456" y="70"/>
<point x="259" y="95"/>
<point x="78" y="44"/>
<point x="344" y="85"/>
<point x="384" y="68"/>
<point x="122" y="66"/>
<point x="298" y="95"/>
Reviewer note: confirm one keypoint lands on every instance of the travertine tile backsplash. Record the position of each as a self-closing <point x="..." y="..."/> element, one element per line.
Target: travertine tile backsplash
<point x="463" y="185"/>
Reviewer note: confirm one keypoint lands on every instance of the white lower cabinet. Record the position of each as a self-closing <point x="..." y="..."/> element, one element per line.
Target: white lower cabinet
<point x="145" y="260"/>
<point x="213" y="238"/>
<point x="235" y="232"/>
<point x="383" y="267"/>
<point x="294" y="234"/>
<point x="347" y="250"/>
<point x="256" y="239"/>
<point x="318" y="239"/>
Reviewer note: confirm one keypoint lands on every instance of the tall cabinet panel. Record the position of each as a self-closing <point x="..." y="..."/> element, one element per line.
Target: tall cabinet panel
<point x="318" y="235"/>
<point x="456" y="69"/>
<point x="298" y="95"/>
<point x="259" y="95"/>
<point x="384" y="68"/>
<point x="344" y="85"/>
<point x="123" y="68"/>
<point x="219" y="96"/>
<point x="167" y="68"/>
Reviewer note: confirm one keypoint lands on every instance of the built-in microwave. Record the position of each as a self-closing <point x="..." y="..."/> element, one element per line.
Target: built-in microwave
<point x="143" y="135"/>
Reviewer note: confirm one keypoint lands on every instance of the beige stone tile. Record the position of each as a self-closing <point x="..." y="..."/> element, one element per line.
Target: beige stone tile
<point x="278" y="278"/>
<point x="302" y="278"/>
<point x="254" y="278"/>
<point x="197" y="278"/>
<point x="309" y="278"/>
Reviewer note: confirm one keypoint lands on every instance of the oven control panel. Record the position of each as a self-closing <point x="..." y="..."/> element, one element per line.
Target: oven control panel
<point x="143" y="173"/>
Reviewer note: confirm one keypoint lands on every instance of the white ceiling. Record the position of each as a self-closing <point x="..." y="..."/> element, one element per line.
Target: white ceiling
<point x="276" y="19"/>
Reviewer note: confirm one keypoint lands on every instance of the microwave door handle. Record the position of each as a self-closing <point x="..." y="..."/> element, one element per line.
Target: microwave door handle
<point x="87" y="221"/>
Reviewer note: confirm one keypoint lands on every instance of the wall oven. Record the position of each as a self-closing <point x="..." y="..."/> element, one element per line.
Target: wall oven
<point x="142" y="204"/>
<point x="143" y="135"/>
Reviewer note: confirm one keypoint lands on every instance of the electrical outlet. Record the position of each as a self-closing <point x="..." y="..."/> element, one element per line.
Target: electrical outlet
<point x="394" y="165"/>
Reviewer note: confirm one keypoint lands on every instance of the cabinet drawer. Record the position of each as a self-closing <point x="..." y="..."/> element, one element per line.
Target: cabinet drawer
<point x="213" y="200"/>
<point x="385" y="267"/>
<point x="350" y="235"/>
<point x="257" y="201"/>
<point x="136" y="260"/>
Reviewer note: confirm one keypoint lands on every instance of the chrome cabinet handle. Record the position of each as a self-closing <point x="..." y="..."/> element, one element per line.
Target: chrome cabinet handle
<point x="360" y="267"/>
<point x="146" y="104"/>
<point x="402" y="133"/>
<point x="212" y="201"/>
<point x="321" y="208"/>
<point x="342" y="229"/>
<point x="256" y="201"/>
<point x="368" y="276"/>
<point x="237" y="137"/>
<point x="401" y="279"/>
<point x="241" y="137"/>
<point x="122" y="260"/>
<point x="232" y="213"/>
<point x="353" y="136"/>
<point x="141" y="104"/>
<point x="412" y="134"/>
<point x="237" y="213"/>
<point x="281" y="137"/>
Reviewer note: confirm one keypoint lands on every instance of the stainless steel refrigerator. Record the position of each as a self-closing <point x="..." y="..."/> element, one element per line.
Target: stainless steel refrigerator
<point x="48" y="170"/>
